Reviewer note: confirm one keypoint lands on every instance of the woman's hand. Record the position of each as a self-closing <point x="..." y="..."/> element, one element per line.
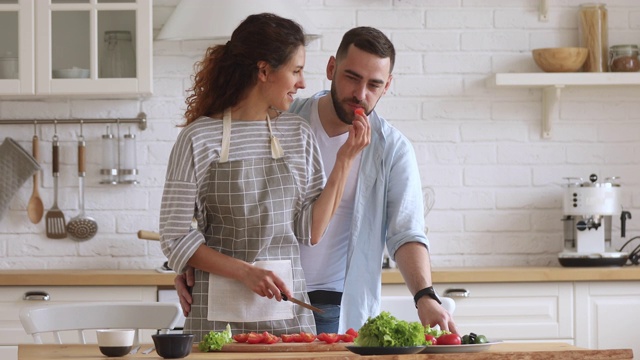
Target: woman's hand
<point x="359" y="137"/>
<point x="264" y="282"/>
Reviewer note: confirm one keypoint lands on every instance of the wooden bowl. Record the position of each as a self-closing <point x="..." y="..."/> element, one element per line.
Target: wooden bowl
<point x="564" y="59"/>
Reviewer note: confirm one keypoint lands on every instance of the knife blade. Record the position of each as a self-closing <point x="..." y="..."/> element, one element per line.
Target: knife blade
<point x="301" y="303"/>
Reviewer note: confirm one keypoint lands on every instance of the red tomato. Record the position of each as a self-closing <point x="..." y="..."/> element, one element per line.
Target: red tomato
<point x="307" y="337"/>
<point x="254" y="338"/>
<point x="321" y="336"/>
<point x="352" y="332"/>
<point x="431" y="338"/>
<point x="449" y="339"/>
<point x="241" y="338"/>
<point x="297" y="337"/>
<point x="268" y="338"/>
<point x="347" y="338"/>
<point x="359" y="111"/>
<point x="287" y="338"/>
<point x="331" y="338"/>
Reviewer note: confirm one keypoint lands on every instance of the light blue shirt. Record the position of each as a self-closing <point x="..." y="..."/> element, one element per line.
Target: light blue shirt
<point x="388" y="210"/>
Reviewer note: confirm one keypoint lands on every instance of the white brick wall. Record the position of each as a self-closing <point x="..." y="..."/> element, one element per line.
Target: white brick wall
<point x="497" y="183"/>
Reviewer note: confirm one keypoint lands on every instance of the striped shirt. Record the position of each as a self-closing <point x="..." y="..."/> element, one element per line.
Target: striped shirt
<point x="199" y="144"/>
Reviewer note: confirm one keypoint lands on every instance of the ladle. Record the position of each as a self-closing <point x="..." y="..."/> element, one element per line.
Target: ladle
<point x="81" y="227"/>
<point x="35" y="208"/>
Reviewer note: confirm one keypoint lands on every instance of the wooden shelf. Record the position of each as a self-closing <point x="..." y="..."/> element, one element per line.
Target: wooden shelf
<point x="552" y="84"/>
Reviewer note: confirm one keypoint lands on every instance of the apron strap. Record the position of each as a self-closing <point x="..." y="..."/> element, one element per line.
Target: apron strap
<point x="226" y="136"/>
<point x="276" y="150"/>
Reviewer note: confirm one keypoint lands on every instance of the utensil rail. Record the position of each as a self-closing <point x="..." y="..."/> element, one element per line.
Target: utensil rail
<point x="141" y="120"/>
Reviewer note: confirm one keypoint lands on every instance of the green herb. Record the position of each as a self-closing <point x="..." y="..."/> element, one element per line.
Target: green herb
<point x="215" y="340"/>
<point x="386" y="330"/>
<point x="428" y="330"/>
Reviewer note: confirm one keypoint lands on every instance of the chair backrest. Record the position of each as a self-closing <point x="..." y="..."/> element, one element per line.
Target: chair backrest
<point x="57" y="318"/>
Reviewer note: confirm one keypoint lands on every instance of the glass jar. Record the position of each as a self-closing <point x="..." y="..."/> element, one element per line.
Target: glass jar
<point x="624" y="58"/>
<point x="119" y="58"/>
<point x="594" y="35"/>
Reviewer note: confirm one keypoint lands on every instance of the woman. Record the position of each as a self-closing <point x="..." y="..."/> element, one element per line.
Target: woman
<point x="252" y="178"/>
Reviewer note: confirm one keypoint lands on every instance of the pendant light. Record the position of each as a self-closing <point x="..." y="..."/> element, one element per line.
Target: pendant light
<point x="216" y="19"/>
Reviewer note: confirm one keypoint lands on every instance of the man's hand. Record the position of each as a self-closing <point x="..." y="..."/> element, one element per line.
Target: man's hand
<point x="183" y="283"/>
<point x="431" y="313"/>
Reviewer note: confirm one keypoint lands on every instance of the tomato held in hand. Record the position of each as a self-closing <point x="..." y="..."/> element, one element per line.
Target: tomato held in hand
<point x="359" y="111"/>
<point x="449" y="339"/>
<point x="431" y="338"/>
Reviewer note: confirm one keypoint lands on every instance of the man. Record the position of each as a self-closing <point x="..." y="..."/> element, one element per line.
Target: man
<point x="382" y="201"/>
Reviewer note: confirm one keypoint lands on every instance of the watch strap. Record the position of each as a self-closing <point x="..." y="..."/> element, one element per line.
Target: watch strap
<point x="428" y="291"/>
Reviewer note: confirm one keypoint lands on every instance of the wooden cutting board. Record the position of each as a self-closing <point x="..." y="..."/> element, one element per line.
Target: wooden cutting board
<point x="315" y="346"/>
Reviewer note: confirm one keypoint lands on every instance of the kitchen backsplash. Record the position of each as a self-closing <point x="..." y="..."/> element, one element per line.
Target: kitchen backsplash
<point x="497" y="181"/>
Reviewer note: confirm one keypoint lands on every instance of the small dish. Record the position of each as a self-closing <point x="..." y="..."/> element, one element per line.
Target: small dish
<point x="73" y="73"/>
<point x="173" y="346"/>
<point x="384" y="350"/>
<point x="442" y="349"/>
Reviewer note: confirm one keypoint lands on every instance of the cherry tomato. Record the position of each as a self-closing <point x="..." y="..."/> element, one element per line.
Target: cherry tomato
<point x="331" y="338"/>
<point x="352" y="332"/>
<point x="431" y="338"/>
<point x="449" y="339"/>
<point x="268" y="338"/>
<point x="254" y="338"/>
<point x="346" y="338"/>
<point x="359" y="111"/>
<point x="287" y="338"/>
<point x="307" y="337"/>
<point x="297" y="338"/>
<point x="241" y="338"/>
<point x="321" y="336"/>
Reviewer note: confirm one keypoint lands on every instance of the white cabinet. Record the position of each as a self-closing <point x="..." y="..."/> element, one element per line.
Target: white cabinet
<point x="50" y="37"/>
<point x="12" y="299"/>
<point x="501" y="311"/>
<point x="607" y="315"/>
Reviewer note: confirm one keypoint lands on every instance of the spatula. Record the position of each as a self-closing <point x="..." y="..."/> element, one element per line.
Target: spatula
<point x="56" y="224"/>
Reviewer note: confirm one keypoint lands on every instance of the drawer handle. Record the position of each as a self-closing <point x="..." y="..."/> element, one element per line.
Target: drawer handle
<point x="456" y="293"/>
<point x="36" y="296"/>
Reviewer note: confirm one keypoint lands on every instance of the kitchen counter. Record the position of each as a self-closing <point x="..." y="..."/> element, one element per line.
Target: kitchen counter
<point x="79" y="277"/>
<point x="503" y="351"/>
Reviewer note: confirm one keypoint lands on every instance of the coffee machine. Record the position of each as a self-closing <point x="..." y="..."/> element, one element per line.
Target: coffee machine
<point x="588" y="208"/>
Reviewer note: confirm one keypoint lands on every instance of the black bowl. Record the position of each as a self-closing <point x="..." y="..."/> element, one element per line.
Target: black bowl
<point x="173" y="346"/>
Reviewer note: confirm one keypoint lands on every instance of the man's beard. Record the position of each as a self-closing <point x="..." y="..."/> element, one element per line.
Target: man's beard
<point x="343" y="115"/>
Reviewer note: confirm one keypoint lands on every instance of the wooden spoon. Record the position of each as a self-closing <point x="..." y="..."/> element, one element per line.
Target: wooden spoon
<point x="35" y="208"/>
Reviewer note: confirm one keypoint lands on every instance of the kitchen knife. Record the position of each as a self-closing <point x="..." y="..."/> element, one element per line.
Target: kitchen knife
<point x="301" y="303"/>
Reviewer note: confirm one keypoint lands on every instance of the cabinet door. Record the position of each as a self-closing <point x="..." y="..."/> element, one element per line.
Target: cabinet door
<point x="607" y="315"/>
<point x="76" y="54"/>
<point x="16" y="47"/>
<point x="501" y="311"/>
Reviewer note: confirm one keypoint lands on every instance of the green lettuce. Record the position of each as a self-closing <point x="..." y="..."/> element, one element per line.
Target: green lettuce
<point x="214" y="341"/>
<point x="386" y="330"/>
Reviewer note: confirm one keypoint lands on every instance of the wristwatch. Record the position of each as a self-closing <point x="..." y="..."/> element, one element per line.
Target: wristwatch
<point x="428" y="291"/>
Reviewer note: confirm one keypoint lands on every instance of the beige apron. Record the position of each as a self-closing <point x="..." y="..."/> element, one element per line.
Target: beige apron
<point x="249" y="211"/>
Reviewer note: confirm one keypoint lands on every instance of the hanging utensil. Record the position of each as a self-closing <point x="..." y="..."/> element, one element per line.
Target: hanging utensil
<point x="35" y="208"/>
<point x="81" y="227"/>
<point x="55" y="218"/>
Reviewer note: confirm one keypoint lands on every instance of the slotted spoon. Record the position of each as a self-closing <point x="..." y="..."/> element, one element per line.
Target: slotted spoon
<point x="56" y="228"/>
<point x="82" y="227"/>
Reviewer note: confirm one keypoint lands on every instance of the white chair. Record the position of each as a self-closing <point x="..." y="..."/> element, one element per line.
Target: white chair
<point x="58" y="318"/>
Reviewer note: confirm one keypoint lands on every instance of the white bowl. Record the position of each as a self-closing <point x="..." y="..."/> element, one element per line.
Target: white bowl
<point x="73" y="73"/>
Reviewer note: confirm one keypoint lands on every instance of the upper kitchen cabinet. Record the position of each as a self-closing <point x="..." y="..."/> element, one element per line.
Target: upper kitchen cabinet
<point x="89" y="48"/>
